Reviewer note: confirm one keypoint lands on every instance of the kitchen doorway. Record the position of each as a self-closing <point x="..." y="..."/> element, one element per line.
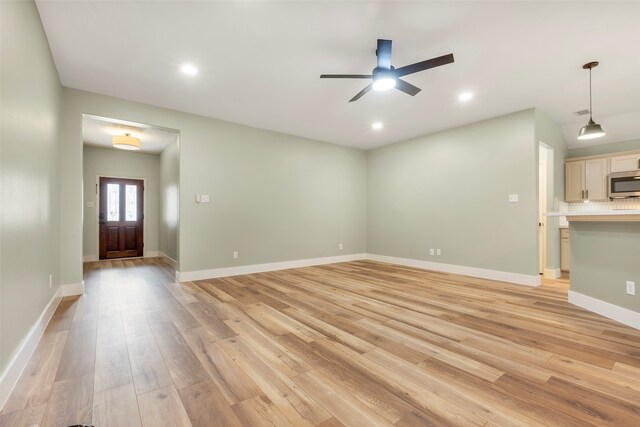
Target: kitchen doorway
<point x="546" y="197"/>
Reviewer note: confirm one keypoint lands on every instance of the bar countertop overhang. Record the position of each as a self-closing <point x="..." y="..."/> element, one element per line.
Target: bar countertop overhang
<point x="609" y="215"/>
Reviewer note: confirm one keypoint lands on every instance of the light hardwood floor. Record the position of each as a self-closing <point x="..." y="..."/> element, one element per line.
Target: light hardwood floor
<point x="359" y="343"/>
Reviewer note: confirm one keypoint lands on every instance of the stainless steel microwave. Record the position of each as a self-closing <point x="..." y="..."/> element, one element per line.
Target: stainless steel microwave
<point x="624" y="184"/>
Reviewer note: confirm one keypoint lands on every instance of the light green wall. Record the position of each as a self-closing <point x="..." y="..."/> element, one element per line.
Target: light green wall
<point x="596" y="150"/>
<point x="450" y="191"/>
<point x="169" y="193"/>
<point x="125" y="164"/>
<point x="604" y="255"/>
<point x="29" y="165"/>
<point x="274" y="197"/>
<point x="549" y="133"/>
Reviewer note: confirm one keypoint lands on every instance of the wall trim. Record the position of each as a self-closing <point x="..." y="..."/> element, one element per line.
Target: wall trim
<point x="16" y="366"/>
<point x="89" y="258"/>
<point x="552" y="273"/>
<point x="151" y="254"/>
<point x="71" y="289"/>
<point x="172" y="262"/>
<point x="189" y="276"/>
<point x="502" y="276"/>
<point x="606" y="309"/>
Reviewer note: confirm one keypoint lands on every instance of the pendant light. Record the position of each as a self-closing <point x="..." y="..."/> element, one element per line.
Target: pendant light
<point x="592" y="129"/>
<point x="126" y="142"/>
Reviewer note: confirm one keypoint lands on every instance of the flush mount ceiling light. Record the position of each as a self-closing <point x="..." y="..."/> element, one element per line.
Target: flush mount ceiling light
<point x="126" y="142"/>
<point x="189" y="69"/>
<point x="592" y="129"/>
<point x="376" y="126"/>
<point x="465" y="96"/>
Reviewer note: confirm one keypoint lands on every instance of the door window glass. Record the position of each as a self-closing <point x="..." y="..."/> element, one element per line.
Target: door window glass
<point x="113" y="202"/>
<point x="131" y="202"/>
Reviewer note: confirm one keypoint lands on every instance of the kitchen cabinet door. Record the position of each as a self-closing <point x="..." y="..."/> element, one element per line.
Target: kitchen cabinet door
<point x="596" y="171"/>
<point x="628" y="162"/>
<point x="574" y="181"/>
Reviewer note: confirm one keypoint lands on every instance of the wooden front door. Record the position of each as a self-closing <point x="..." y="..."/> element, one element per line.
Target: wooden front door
<point x="120" y="219"/>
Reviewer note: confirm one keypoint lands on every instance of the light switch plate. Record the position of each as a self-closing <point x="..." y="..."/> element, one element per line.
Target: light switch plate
<point x="89" y="204"/>
<point x="513" y="198"/>
<point x="631" y="287"/>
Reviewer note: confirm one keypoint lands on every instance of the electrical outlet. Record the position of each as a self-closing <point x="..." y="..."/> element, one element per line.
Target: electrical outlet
<point x="438" y="252"/>
<point x="513" y="198"/>
<point x="235" y="255"/>
<point x="631" y="287"/>
<point x="204" y="198"/>
<point x="432" y="251"/>
<point x="50" y="280"/>
<point x="340" y="246"/>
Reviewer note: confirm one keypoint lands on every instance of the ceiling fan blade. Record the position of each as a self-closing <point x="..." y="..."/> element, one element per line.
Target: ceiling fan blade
<point x="361" y="93"/>
<point x="383" y="52"/>
<point x="407" y="87"/>
<point x="346" y="76"/>
<point x="424" y="65"/>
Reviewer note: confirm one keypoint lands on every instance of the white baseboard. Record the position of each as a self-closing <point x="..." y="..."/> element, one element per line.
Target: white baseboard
<point x="19" y="361"/>
<point x="189" y="276"/>
<point x="552" y="273"/>
<point x="606" y="309"/>
<point x="172" y="262"/>
<point x="502" y="276"/>
<point x="89" y="258"/>
<point x="151" y="254"/>
<point x="520" y="279"/>
<point x="71" y="289"/>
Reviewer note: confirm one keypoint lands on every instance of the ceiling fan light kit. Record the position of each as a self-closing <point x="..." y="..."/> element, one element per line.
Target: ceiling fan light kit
<point x="592" y="129"/>
<point x="125" y="142"/>
<point x="385" y="76"/>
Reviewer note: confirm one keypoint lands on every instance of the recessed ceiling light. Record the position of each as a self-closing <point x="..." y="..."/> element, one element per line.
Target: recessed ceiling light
<point x="376" y="126"/>
<point x="465" y="96"/>
<point x="189" y="69"/>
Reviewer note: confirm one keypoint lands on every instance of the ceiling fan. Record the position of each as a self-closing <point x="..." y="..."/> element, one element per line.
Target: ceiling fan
<point x="385" y="76"/>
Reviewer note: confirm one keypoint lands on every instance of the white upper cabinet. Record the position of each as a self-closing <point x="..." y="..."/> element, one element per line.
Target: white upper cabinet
<point x="627" y="162"/>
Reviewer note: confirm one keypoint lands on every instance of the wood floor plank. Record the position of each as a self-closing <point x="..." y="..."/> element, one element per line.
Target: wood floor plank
<point x="183" y="365"/>
<point x="207" y="407"/>
<point x="259" y="411"/>
<point x="116" y="407"/>
<point x="346" y="408"/>
<point x="232" y="381"/>
<point x="34" y="386"/>
<point x="70" y="402"/>
<point x="28" y="417"/>
<point x="292" y="401"/>
<point x="163" y="408"/>
<point x="147" y="365"/>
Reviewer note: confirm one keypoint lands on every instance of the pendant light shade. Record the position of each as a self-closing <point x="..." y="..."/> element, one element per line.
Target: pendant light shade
<point x="126" y="142"/>
<point x="592" y="129"/>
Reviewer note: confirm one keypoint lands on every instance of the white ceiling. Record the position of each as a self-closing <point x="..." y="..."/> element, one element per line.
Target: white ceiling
<point x="259" y="61"/>
<point x="98" y="131"/>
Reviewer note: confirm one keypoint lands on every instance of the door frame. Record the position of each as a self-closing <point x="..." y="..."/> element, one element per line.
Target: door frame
<point x="543" y="165"/>
<point x="97" y="211"/>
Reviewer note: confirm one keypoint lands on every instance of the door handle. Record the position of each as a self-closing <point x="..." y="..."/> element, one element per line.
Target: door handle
<point x="587" y="194"/>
